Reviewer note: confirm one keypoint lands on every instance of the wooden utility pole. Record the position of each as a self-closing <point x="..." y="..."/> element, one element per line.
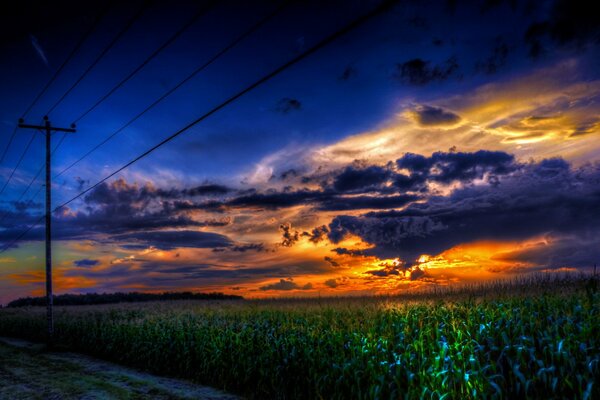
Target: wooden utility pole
<point x="47" y="128"/>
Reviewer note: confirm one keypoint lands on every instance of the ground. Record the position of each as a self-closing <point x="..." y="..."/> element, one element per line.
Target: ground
<point x="27" y="371"/>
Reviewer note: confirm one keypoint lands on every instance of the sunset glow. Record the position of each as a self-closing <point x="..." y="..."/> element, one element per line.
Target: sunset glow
<point x="405" y="156"/>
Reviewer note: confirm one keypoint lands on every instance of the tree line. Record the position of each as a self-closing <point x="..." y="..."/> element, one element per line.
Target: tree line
<point x="108" y="298"/>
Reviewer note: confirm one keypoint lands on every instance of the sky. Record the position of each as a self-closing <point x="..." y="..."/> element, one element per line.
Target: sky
<point x="436" y="143"/>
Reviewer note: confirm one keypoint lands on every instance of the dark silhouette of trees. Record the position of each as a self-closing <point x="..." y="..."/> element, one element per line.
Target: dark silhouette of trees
<point x="108" y="298"/>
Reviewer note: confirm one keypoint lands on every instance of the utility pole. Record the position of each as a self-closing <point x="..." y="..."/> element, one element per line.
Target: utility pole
<point x="47" y="128"/>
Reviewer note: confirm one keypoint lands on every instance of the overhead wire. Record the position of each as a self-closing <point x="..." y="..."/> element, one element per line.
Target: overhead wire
<point x="107" y="48"/>
<point x="324" y="42"/>
<point x="194" y="73"/>
<point x="155" y="53"/>
<point x="201" y="11"/>
<point x="100" y="56"/>
<point x="56" y="74"/>
<point x="5" y="213"/>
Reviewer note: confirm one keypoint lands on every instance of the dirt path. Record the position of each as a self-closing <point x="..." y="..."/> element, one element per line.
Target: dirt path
<point x="28" y="372"/>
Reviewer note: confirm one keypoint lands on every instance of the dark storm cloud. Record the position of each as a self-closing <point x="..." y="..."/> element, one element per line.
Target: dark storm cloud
<point x="446" y="167"/>
<point x="289" y="236"/>
<point x="286" y="284"/>
<point x="207" y="190"/>
<point x="119" y="208"/>
<point x="317" y="234"/>
<point x="86" y="263"/>
<point x="569" y="22"/>
<point x="169" y="240"/>
<point x="341" y="251"/>
<point x="287" y="105"/>
<point x="273" y="199"/>
<point x="434" y="116"/>
<point x="538" y="198"/>
<point x="242" y="248"/>
<point x="366" y="202"/>
<point x="382" y="273"/>
<point x="420" y="72"/>
<point x="353" y="178"/>
<point x="363" y="186"/>
<point x="122" y="209"/>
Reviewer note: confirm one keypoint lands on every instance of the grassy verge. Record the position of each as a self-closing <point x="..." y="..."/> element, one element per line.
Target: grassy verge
<point x="32" y="373"/>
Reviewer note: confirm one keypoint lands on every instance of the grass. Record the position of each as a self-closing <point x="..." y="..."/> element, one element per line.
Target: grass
<point x="31" y="373"/>
<point x="527" y="339"/>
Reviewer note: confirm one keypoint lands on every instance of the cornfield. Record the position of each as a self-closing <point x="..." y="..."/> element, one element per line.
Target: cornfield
<point x="536" y="339"/>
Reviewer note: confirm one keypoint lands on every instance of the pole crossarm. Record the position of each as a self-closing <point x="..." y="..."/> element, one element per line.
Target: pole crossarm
<point x="48" y="129"/>
<point x="43" y="128"/>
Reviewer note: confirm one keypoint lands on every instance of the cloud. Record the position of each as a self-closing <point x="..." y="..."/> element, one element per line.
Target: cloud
<point x="572" y="250"/>
<point x="426" y="115"/>
<point x="331" y="261"/>
<point x="207" y="190"/>
<point x="242" y="248"/>
<point x="289" y="235"/>
<point x="317" y="234"/>
<point x="569" y="22"/>
<point x="362" y="186"/>
<point x="366" y="202"/>
<point x="81" y="183"/>
<point x="446" y="167"/>
<point x="286" y="284"/>
<point x="86" y="262"/>
<point x="336" y="282"/>
<point x="341" y="251"/>
<point x="22" y="206"/>
<point x="536" y="198"/>
<point x="169" y="240"/>
<point x="348" y="73"/>
<point x="287" y="105"/>
<point x="497" y="58"/>
<point x="353" y="178"/>
<point x="419" y="72"/>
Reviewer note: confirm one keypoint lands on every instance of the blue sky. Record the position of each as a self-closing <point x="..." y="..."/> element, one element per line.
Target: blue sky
<point x="519" y="78"/>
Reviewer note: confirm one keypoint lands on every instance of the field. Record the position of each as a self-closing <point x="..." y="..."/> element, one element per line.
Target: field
<point x="534" y="338"/>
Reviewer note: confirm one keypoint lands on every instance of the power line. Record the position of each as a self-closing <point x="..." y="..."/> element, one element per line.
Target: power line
<point x="18" y="163"/>
<point x="5" y="213"/>
<point x="383" y="6"/>
<point x="70" y="56"/>
<point x="155" y="53"/>
<point x="73" y="52"/>
<point x="142" y="65"/>
<point x="127" y="26"/>
<point x="324" y="42"/>
<point x="202" y="67"/>
<point x="12" y="137"/>
<point x="25" y="232"/>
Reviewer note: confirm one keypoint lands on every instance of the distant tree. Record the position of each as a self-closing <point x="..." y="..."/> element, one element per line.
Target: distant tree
<point x="108" y="298"/>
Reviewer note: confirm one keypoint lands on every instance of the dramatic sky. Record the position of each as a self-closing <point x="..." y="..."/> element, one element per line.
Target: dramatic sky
<point x="438" y="143"/>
